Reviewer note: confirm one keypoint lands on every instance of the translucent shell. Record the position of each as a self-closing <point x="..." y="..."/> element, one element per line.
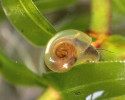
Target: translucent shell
<point x="68" y="48"/>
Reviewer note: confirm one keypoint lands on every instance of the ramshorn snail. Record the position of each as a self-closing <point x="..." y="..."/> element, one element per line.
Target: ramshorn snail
<point x="68" y="48"/>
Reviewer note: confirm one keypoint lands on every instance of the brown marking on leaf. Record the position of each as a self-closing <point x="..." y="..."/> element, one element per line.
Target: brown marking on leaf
<point x="77" y="93"/>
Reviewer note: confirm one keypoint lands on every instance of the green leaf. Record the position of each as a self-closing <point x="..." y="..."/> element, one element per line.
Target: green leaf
<point x="28" y="20"/>
<point x="118" y="17"/>
<point x="80" y="22"/>
<point x="2" y="15"/>
<point x="115" y="44"/>
<point x="19" y="74"/>
<point x="117" y="39"/>
<point x="93" y="81"/>
<point x="50" y="5"/>
<point x="118" y="6"/>
<point x="118" y="98"/>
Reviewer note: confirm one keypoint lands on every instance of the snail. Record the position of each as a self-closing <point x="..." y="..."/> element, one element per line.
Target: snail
<point x="68" y="48"/>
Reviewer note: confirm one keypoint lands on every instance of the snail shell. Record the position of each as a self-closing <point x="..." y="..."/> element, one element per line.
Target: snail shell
<point x="68" y="48"/>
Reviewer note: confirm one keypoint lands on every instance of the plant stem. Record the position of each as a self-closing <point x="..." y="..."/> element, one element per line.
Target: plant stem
<point x="100" y="21"/>
<point x="50" y="94"/>
<point x="101" y="17"/>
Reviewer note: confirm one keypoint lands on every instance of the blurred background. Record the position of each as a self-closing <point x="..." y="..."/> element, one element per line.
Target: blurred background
<point x="74" y="15"/>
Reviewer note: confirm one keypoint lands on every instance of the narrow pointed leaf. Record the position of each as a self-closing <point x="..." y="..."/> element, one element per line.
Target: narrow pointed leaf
<point x="19" y="74"/>
<point x="117" y="39"/>
<point x="24" y="15"/>
<point x="118" y="6"/>
<point x="50" y="5"/>
<point x="2" y="15"/>
<point x="96" y="81"/>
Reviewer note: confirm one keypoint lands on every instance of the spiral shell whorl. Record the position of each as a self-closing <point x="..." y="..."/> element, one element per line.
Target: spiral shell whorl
<point x="64" y="53"/>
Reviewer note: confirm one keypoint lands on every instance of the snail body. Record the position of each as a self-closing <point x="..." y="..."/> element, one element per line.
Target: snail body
<point x="68" y="48"/>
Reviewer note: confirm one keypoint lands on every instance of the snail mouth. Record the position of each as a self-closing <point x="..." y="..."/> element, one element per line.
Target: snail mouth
<point x="72" y="61"/>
